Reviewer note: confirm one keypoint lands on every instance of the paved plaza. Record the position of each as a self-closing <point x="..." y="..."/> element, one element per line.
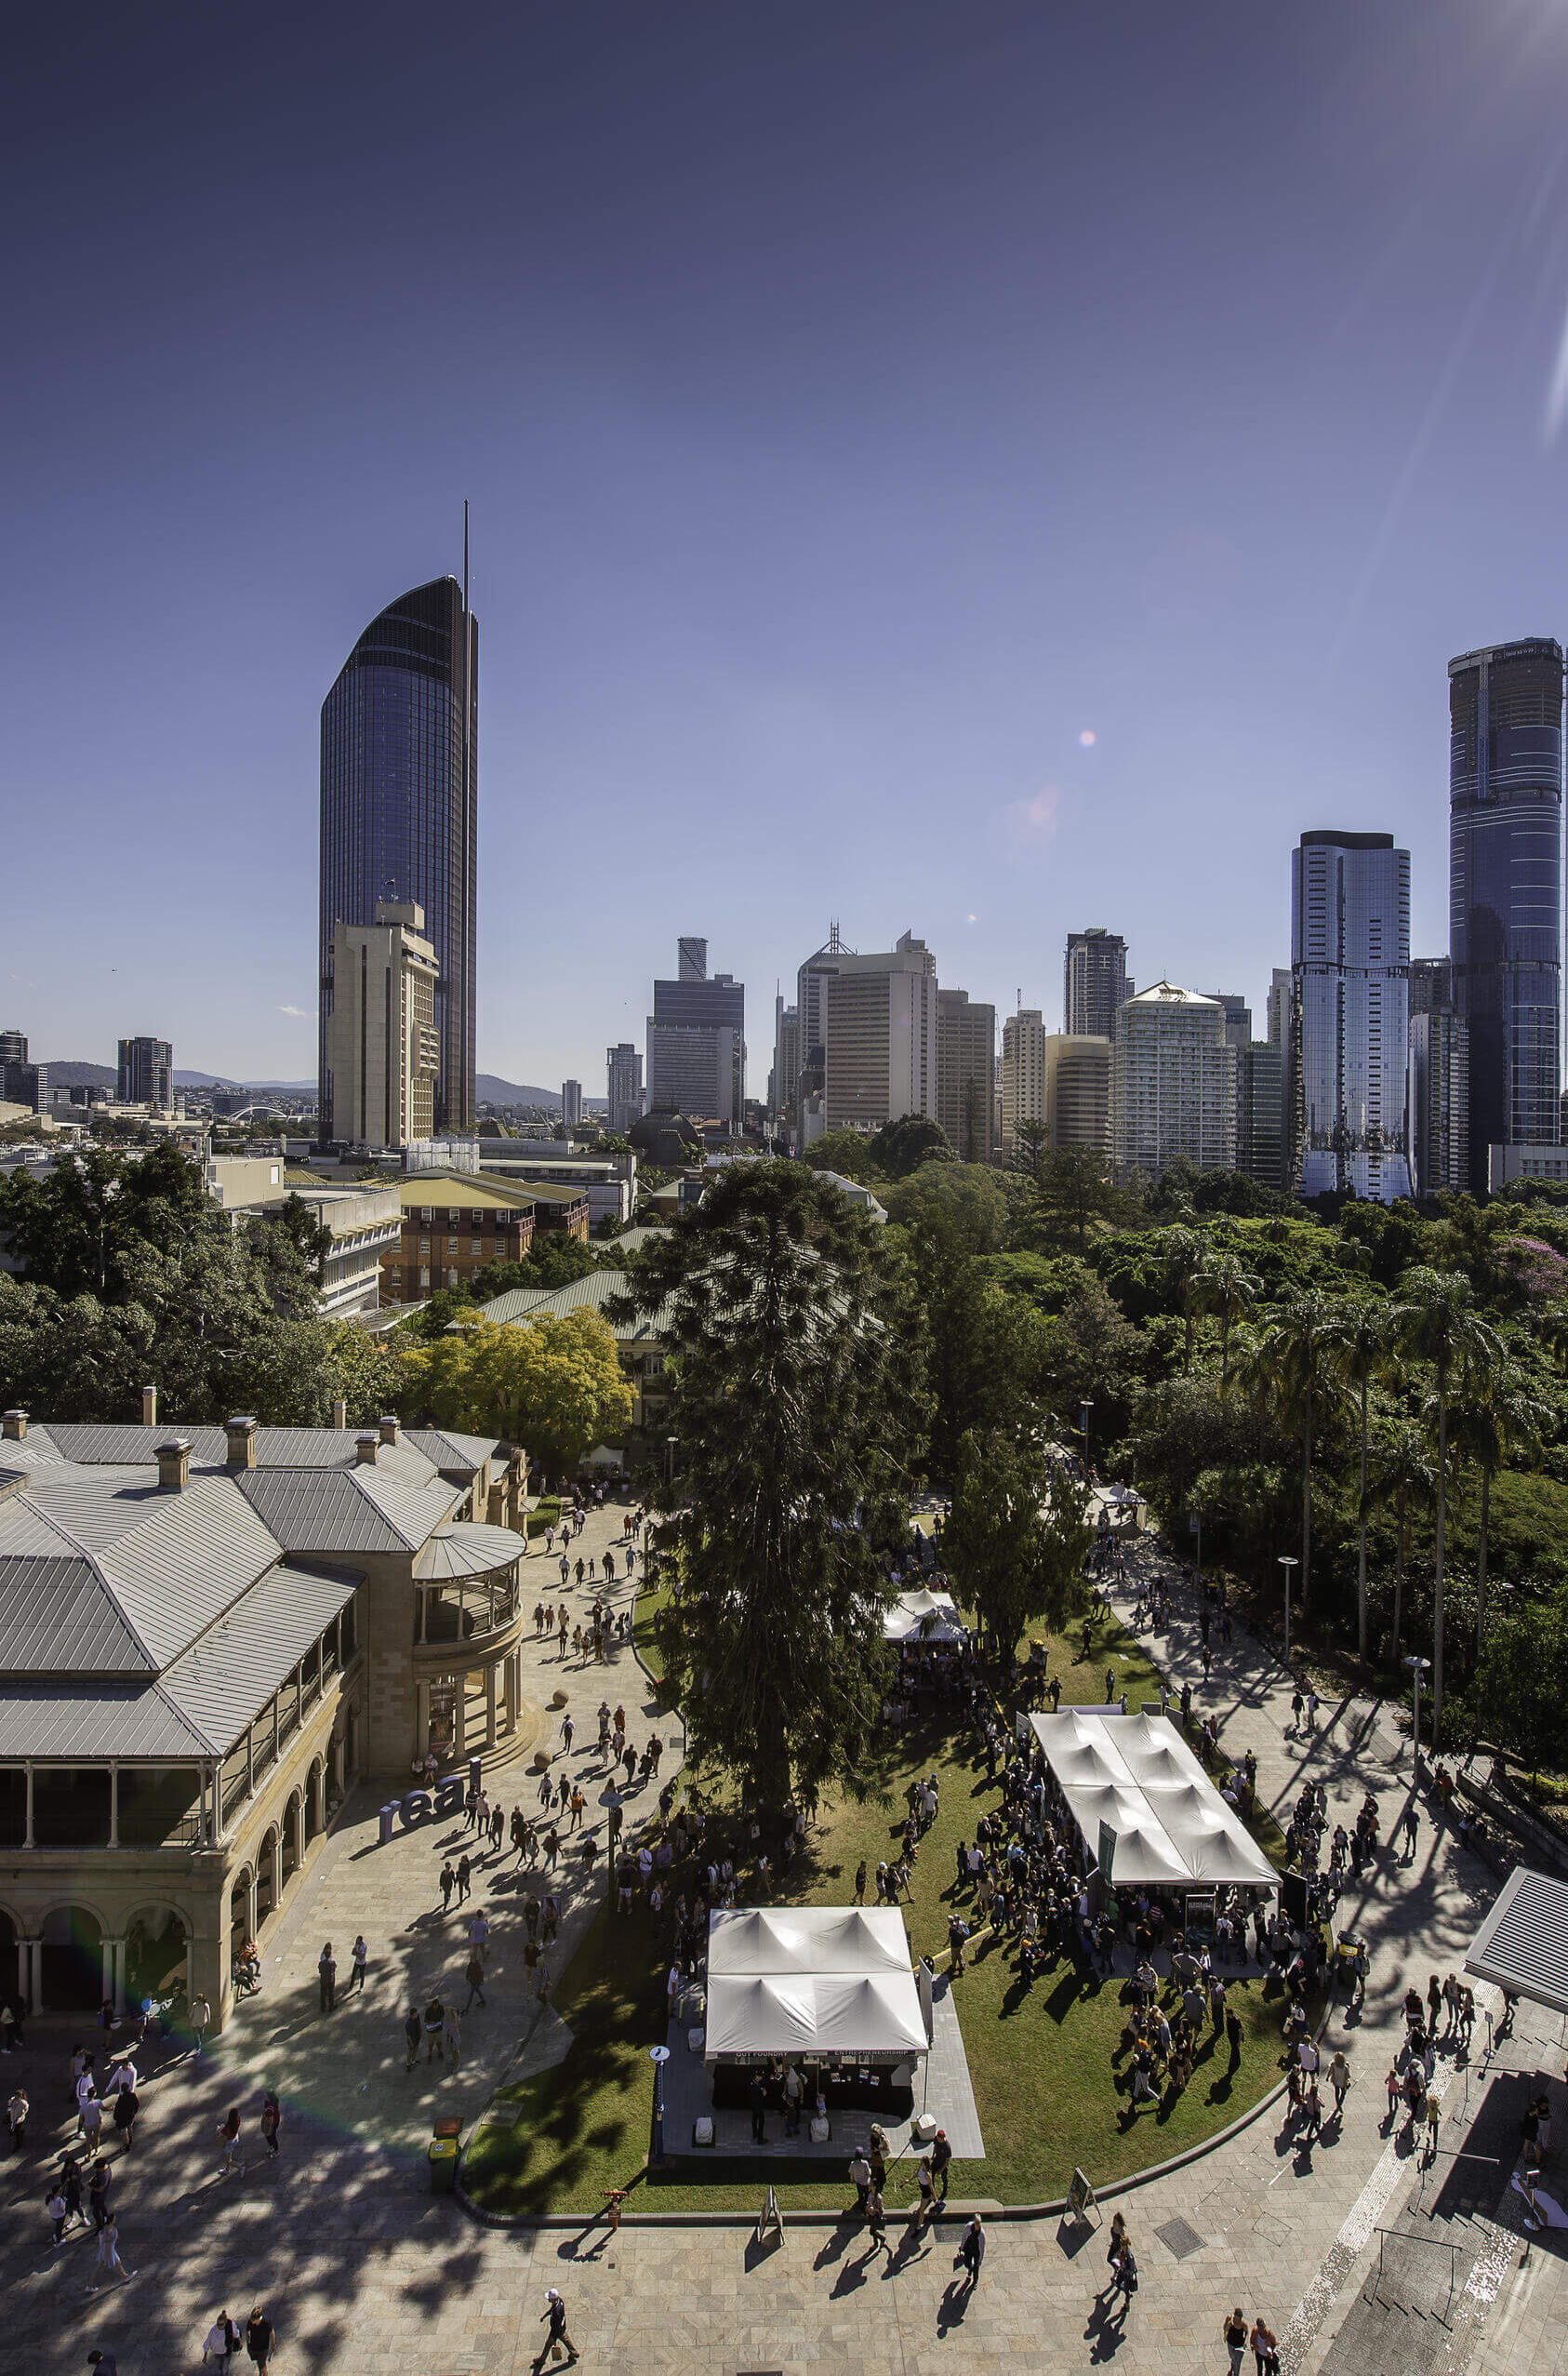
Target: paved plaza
<point x="362" y="2271"/>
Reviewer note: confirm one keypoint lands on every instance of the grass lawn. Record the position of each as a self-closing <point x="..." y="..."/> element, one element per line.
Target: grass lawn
<point x="545" y="1512"/>
<point x="650" y="1600"/>
<point x="1044" y="2061"/>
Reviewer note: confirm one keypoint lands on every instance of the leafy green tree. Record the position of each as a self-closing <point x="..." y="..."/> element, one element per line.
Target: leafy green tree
<point x="962" y="1203"/>
<point x="901" y="1147"/>
<point x="75" y="1227"/>
<point x="797" y="1410"/>
<point x="1472" y="1240"/>
<point x="1494" y="1417"/>
<point x="1074" y="1189"/>
<point x="554" y="1384"/>
<point x="1440" y="1326"/>
<point x="1184" y="1255"/>
<point x="1293" y="1364"/>
<point x="986" y="1353"/>
<point x="1367" y="1348"/>
<point x="1522" y="1686"/>
<point x="850" y="1153"/>
<point x="1228" y="1291"/>
<point x="1016" y="1540"/>
<point x="1030" y="1148"/>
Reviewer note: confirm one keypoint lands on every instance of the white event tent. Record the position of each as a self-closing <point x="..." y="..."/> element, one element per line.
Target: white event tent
<point x="821" y="1981"/>
<point x="1174" y="1831"/>
<point x="922" y="1616"/>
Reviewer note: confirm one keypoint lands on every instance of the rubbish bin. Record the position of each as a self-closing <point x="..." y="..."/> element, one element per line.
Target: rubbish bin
<point x="442" y="2165"/>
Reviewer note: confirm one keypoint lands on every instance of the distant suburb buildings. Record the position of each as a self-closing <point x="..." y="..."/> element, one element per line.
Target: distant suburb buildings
<point x="399" y="821"/>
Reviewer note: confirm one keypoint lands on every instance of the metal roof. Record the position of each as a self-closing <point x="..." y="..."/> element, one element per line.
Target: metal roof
<point x="355" y="1510"/>
<point x="592" y="1292"/>
<point x="450" y="1450"/>
<point x="276" y="1447"/>
<point x="58" y="1617"/>
<point x="167" y="1563"/>
<point x="234" y="1669"/>
<point x="457" y="1551"/>
<point x="94" y="1721"/>
<point x="1522" y="1944"/>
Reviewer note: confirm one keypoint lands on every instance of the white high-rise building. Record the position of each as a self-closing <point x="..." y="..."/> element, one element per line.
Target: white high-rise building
<point x="571" y="1104"/>
<point x="1077" y="1091"/>
<point x="1173" y="1089"/>
<point x="1350" y="924"/>
<point x="1023" y="1075"/>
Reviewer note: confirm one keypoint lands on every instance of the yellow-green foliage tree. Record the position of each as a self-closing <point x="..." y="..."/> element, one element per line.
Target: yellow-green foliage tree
<point x="554" y="1385"/>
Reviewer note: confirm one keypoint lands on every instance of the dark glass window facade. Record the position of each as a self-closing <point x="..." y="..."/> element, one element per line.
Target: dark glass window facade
<point x="1505" y="888"/>
<point x="399" y="820"/>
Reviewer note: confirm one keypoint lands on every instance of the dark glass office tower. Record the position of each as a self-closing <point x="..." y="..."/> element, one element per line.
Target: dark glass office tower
<point x="400" y="810"/>
<point x="1505" y="887"/>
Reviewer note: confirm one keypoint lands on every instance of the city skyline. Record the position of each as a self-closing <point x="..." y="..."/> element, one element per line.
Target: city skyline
<point x="943" y="578"/>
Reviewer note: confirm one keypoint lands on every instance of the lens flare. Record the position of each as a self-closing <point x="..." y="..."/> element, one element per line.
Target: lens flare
<point x="1087" y="738"/>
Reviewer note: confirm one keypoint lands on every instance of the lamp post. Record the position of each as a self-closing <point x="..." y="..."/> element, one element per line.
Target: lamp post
<point x="658" y="2056"/>
<point x="1418" y="1667"/>
<point x="1287" y="1563"/>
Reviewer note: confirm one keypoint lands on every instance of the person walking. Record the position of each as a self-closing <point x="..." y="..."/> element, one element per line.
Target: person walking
<point x="272" y="2121"/>
<point x="1411" y="1827"/>
<point x="860" y="1883"/>
<point x="108" y="2263"/>
<point x="57" y="2211"/>
<point x="326" y="1976"/>
<point x="972" y="2251"/>
<point x="126" y="2106"/>
<point x="413" y="2030"/>
<point x="221" y="2341"/>
<point x="927" y="2185"/>
<point x="201" y="2019"/>
<point x="260" y="2337"/>
<point x="876" y="2216"/>
<point x="448" y="1883"/>
<point x="941" y="2163"/>
<point x="452" y="2035"/>
<point x="859" y="2177"/>
<point x="17" y="2109"/>
<point x="756" y="2095"/>
<point x="558" y="2344"/>
<point x="1339" y="2079"/>
<point x="97" y="2193"/>
<point x="479" y="1936"/>
<point x="1234" y="2334"/>
<point x="361" y="1957"/>
<point x="473" y="1972"/>
<point x="465" y="1877"/>
<point x="1264" y="2353"/>
<point x="228" y="2138"/>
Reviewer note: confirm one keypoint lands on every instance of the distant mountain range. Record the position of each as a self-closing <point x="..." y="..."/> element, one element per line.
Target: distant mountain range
<point x="74" y="1073"/>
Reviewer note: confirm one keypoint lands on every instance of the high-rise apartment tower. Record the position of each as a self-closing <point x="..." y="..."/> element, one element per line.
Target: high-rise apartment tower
<point x="1349" y="903"/>
<point x="1095" y="983"/>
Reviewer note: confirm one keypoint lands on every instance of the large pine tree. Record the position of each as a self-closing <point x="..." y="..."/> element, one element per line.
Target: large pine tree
<point x="797" y="1408"/>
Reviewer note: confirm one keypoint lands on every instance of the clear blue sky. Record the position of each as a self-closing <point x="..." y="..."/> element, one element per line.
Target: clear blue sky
<point x="859" y="404"/>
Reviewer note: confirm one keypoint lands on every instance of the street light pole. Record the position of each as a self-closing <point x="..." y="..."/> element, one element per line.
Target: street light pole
<point x="1287" y="1563"/>
<point x="658" y="2056"/>
<point x="1418" y="1667"/>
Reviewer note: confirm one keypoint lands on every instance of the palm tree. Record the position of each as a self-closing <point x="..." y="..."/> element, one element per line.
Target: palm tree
<point x="1493" y="1415"/>
<point x="1365" y="1350"/>
<point x="1404" y="1473"/>
<point x="1438" y="1324"/>
<point x="1185" y="1253"/>
<point x="1293" y="1364"/>
<point x="1227" y="1287"/>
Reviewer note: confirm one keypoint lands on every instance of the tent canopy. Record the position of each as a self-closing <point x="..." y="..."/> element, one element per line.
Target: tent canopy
<point x="1522" y="1944"/>
<point x="811" y="1979"/>
<point x="1137" y="1774"/>
<point x="930" y="1617"/>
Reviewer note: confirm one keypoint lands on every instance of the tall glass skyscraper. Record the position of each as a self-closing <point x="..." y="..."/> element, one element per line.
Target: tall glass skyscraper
<point x="400" y="811"/>
<point x="1505" y="886"/>
<point x="1350" y="929"/>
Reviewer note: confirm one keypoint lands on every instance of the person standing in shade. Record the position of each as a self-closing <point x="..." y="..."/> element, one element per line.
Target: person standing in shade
<point x="56" y="2210"/>
<point x="272" y="2121"/>
<point x="360" y="1959"/>
<point x="756" y="2095"/>
<point x="326" y="1976"/>
<point x="473" y="1972"/>
<point x="448" y="1883"/>
<point x="17" y="2110"/>
<point x="260" y="2337"/>
<point x="228" y="2138"/>
<point x="413" y="2030"/>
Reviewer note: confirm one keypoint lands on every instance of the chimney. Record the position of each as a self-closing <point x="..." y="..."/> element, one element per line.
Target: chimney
<point x="241" y="1432"/>
<point x="173" y="1463"/>
<point x="148" y="1406"/>
<point x="389" y="1427"/>
<point x="341" y="1414"/>
<point x="365" y="1451"/>
<point x="15" y="1425"/>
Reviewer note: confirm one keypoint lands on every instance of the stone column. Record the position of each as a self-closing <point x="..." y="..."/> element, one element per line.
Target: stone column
<point x="35" y="1983"/>
<point x="118" y="1946"/>
<point x="321" y="1797"/>
<point x="30" y="1841"/>
<point x="490" y="1706"/>
<point x="114" y="1804"/>
<point x="250" y="1905"/>
<point x="422" y="1718"/>
<point x="459" y="1718"/>
<point x="107" y="1953"/>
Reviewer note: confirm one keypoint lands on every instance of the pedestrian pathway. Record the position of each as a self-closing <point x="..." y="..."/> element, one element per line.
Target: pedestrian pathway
<point x="364" y="2273"/>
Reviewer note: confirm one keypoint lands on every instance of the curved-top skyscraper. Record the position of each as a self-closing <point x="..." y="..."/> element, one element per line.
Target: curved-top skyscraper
<point x="400" y="812"/>
<point x="1505" y="886"/>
